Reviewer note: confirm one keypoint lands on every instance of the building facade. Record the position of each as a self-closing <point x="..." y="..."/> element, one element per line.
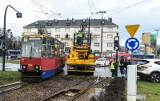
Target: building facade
<point x="146" y="41"/>
<point x="62" y="28"/>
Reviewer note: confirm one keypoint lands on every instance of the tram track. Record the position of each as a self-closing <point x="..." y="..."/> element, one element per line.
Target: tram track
<point x="74" y="92"/>
<point x="11" y="86"/>
<point x="64" y="90"/>
<point x="58" y="88"/>
<point x="76" y="98"/>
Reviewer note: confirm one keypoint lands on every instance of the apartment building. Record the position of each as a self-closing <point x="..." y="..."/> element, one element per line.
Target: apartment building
<point x="146" y="40"/>
<point x="62" y="28"/>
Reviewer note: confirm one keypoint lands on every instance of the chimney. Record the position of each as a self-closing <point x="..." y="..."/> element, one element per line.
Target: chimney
<point x="73" y="20"/>
<point x="110" y="19"/>
<point x="55" y="20"/>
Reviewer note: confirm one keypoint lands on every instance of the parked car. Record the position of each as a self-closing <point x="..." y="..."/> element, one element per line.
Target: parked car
<point x="102" y="62"/>
<point x="149" y="69"/>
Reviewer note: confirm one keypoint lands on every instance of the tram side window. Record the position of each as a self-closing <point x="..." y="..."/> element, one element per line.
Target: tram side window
<point x="44" y="51"/>
<point x="52" y="47"/>
<point x="49" y="51"/>
<point x="58" y="50"/>
<point x="62" y="49"/>
<point x="48" y="48"/>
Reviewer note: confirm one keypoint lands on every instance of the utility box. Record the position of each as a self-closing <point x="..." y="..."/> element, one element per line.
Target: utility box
<point x="131" y="82"/>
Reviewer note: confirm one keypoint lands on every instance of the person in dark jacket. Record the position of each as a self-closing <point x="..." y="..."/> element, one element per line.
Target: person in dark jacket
<point x="127" y="62"/>
<point x="122" y="65"/>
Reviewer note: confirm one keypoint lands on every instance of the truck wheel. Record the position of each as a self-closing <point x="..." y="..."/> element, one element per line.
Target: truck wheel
<point x="155" y="77"/>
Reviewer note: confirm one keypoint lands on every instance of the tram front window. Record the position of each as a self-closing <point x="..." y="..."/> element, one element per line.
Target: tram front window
<point x="31" y="47"/>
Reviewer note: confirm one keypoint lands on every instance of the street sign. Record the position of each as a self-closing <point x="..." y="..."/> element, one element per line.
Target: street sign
<point x="132" y="29"/>
<point x="132" y="44"/>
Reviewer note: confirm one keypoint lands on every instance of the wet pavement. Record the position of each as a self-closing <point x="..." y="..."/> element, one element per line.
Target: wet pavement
<point x="10" y="66"/>
<point x="99" y="71"/>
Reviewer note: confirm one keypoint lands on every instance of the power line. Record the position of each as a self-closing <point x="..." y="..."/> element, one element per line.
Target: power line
<point x="93" y="6"/>
<point x="89" y="6"/>
<point x="35" y="3"/>
<point x="127" y="7"/>
<point x="102" y="12"/>
<point x="59" y="14"/>
<point x="22" y="6"/>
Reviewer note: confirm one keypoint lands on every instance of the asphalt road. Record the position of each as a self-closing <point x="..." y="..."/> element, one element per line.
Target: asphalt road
<point x="99" y="71"/>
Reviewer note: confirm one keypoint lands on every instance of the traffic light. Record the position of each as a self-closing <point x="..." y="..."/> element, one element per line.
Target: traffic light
<point x="19" y="15"/>
<point x="116" y="43"/>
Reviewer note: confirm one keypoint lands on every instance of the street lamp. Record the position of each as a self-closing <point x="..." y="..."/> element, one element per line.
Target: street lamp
<point x="19" y="15"/>
<point x="102" y="29"/>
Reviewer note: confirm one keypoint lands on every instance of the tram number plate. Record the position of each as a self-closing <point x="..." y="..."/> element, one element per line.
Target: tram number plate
<point x="30" y="65"/>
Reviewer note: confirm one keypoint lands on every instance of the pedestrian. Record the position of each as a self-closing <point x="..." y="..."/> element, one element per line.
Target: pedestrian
<point x="122" y="65"/>
<point x="80" y="38"/>
<point x="127" y="62"/>
<point x="112" y="67"/>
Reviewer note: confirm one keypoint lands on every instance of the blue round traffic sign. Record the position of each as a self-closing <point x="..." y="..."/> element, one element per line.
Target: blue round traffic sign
<point x="132" y="44"/>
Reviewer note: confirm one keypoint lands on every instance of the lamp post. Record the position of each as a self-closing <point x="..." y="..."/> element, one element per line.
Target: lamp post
<point x="102" y="29"/>
<point x="19" y="15"/>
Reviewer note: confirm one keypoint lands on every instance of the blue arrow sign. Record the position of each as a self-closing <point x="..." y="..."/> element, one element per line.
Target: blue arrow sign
<point x="132" y="44"/>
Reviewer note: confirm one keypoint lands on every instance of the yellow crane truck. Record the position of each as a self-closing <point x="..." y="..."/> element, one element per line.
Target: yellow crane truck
<point x="80" y="57"/>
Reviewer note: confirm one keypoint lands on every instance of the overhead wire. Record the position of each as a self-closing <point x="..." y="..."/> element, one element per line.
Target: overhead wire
<point x="24" y="6"/>
<point x="127" y="7"/>
<point x="35" y="3"/>
<point x="93" y="14"/>
<point x="42" y="10"/>
<point x="59" y="14"/>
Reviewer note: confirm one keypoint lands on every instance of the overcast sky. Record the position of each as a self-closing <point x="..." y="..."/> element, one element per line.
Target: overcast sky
<point x="123" y="12"/>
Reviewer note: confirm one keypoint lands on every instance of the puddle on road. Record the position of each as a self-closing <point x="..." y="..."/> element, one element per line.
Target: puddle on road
<point x="86" y="96"/>
<point x="72" y="92"/>
<point x="99" y="71"/>
<point x="102" y="72"/>
<point x="10" y="67"/>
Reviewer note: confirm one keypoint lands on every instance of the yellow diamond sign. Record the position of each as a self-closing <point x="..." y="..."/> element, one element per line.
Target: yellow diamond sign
<point x="132" y="29"/>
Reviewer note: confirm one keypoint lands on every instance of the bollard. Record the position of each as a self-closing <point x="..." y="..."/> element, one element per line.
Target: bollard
<point x="131" y="82"/>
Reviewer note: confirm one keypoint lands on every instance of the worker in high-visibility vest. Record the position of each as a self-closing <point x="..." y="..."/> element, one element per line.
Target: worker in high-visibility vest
<point x="112" y="67"/>
<point x="79" y="37"/>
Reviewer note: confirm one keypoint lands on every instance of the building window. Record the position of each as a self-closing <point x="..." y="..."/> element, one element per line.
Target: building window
<point x="97" y="29"/>
<point x="109" y="36"/>
<point x="28" y="29"/>
<point x="76" y="29"/>
<point x="96" y="44"/>
<point x="67" y="29"/>
<point x="57" y="30"/>
<point x="57" y="36"/>
<point x="96" y="50"/>
<point x="109" y="44"/>
<point x="96" y="36"/>
<point x="67" y="36"/>
<point x="49" y="31"/>
<point x="110" y="29"/>
<point x="66" y="44"/>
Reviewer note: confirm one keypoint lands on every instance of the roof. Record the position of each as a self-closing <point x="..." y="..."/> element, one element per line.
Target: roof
<point x="73" y="22"/>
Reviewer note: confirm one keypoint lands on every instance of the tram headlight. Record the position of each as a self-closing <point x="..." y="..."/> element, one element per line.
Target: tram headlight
<point x="23" y="67"/>
<point x="36" y="67"/>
